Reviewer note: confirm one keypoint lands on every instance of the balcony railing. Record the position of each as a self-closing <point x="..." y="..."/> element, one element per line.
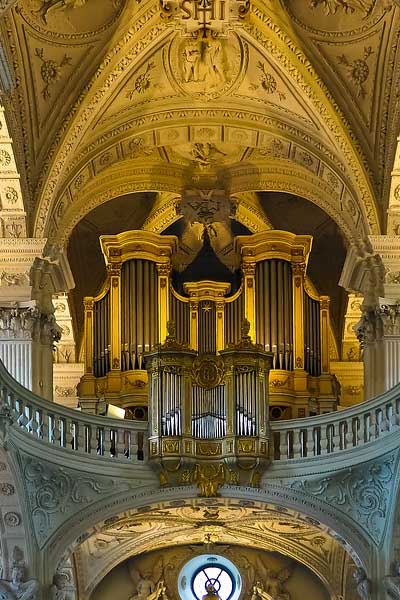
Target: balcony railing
<point x="85" y="434"/>
<point x="126" y="441"/>
<point x="336" y="432"/>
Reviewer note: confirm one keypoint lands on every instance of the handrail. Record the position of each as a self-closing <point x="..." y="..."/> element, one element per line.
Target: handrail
<point x="83" y="433"/>
<point x="337" y="431"/>
<point x="124" y="440"/>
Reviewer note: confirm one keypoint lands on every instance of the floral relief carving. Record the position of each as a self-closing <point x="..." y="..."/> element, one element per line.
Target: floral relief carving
<point x="12" y="519"/>
<point x="5" y="158"/>
<point x="8" y="279"/>
<point x="142" y="81"/>
<point x="267" y="82"/>
<point x="358" y="70"/>
<point x="11" y="195"/>
<point x="50" y="71"/>
<point x="7" y="489"/>
<point x="362" y="492"/>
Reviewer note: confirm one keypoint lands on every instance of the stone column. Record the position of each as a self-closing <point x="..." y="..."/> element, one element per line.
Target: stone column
<point x="28" y="328"/>
<point x="377" y="276"/>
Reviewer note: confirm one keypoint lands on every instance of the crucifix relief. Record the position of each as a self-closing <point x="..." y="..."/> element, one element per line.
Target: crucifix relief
<point x="203" y="17"/>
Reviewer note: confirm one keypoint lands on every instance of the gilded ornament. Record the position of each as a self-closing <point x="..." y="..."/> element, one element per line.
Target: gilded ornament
<point x="208" y="448"/>
<point x="171" y="446"/>
<point x="246" y="446"/>
<point x="208" y="371"/>
<point x="209" y="477"/>
<point x="278" y="382"/>
<point x="267" y="82"/>
<point x="186" y="477"/>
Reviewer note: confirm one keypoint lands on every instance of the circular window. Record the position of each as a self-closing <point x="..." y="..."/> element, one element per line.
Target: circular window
<point x="209" y="576"/>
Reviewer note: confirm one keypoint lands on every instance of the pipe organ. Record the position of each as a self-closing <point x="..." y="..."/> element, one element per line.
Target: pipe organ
<point x="209" y="413"/>
<point x="288" y="321"/>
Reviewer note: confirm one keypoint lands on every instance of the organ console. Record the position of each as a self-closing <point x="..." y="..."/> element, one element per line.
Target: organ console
<point x="199" y="359"/>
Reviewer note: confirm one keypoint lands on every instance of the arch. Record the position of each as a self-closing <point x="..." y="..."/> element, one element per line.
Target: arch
<point x="130" y="176"/>
<point x="99" y="519"/>
<point x="334" y="142"/>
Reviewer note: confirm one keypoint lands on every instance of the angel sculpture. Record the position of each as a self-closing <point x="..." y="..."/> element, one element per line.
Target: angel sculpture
<point x="274" y="586"/>
<point x="18" y="588"/>
<point x="209" y="479"/>
<point x="259" y="593"/>
<point x="146" y="586"/>
<point x="57" y="590"/>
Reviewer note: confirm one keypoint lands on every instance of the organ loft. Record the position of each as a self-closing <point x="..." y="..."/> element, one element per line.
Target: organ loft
<point x="210" y="332"/>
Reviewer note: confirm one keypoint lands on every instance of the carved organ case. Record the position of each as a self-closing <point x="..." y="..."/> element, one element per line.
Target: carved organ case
<point x="287" y="319"/>
<point x="126" y="320"/>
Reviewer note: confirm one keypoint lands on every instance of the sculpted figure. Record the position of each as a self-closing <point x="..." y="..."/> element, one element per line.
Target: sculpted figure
<point x="191" y="62"/>
<point x="57" y="590"/>
<point x="49" y="5"/>
<point x="363" y="584"/>
<point x="17" y="588"/>
<point x="213" y="62"/>
<point x="274" y="587"/>
<point x="146" y="590"/>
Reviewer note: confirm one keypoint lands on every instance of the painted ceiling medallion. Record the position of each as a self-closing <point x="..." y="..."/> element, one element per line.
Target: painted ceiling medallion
<point x="206" y="66"/>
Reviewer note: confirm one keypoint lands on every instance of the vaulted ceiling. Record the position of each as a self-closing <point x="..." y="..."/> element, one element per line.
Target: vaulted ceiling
<point x="301" y="97"/>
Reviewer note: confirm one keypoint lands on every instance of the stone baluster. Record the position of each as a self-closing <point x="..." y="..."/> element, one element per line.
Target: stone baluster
<point x="336" y="437"/>
<point x="297" y="446"/>
<point x="120" y="442"/>
<point x="80" y="437"/>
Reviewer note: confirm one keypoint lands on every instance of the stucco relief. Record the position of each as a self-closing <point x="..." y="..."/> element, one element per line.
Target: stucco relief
<point x="55" y="493"/>
<point x="207" y="67"/>
<point x="362" y="492"/>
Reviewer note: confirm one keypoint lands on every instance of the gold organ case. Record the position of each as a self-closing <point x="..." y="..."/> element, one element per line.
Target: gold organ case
<point x="212" y="365"/>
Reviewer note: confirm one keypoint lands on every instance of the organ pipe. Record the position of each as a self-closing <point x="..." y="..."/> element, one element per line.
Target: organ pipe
<point x="274" y="308"/>
<point x="233" y="316"/>
<point x="139" y="311"/>
<point x="129" y="318"/>
<point x="180" y="315"/>
<point x="101" y="336"/>
<point x="312" y="336"/>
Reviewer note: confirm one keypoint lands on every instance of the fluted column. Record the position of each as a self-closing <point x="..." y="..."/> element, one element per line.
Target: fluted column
<point x="379" y="334"/>
<point x="379" y="327"/>
<point x="28" y="328"/>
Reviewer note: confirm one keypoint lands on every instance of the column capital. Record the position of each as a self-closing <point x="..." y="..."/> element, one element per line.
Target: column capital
<point x="26" y="322"/>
